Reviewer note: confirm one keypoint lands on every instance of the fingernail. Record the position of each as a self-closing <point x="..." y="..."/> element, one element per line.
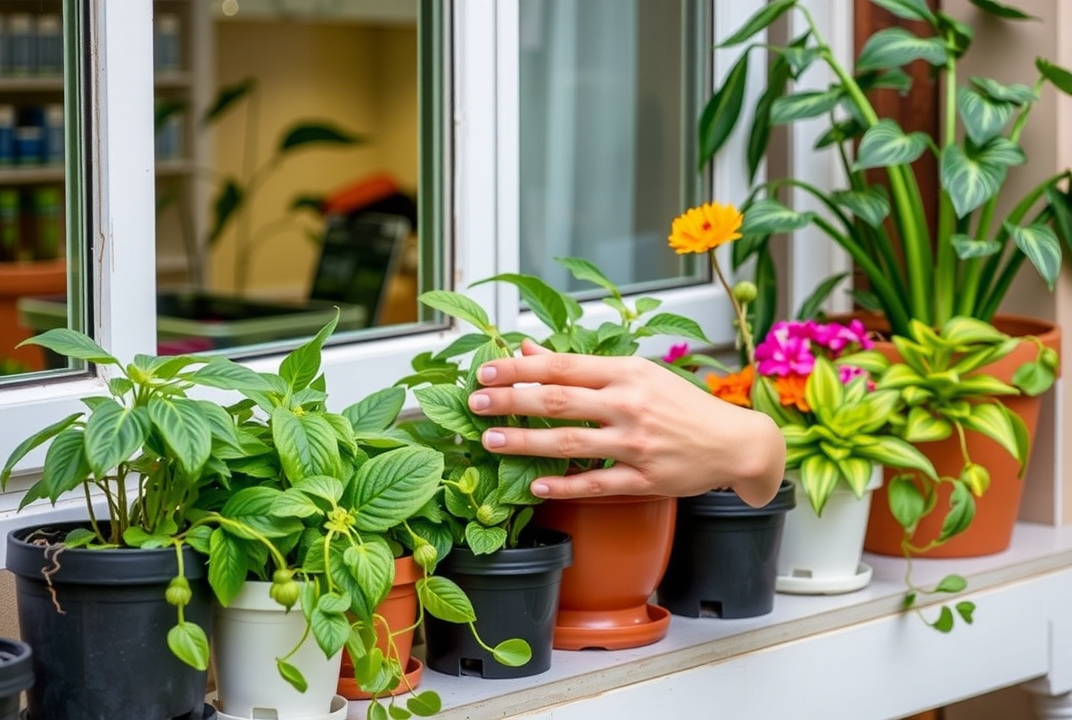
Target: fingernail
<point x="486" y="374"/>
<point x="479" y="401"/>
<point x="540" y="489"/>
<point x="494" y="439"/>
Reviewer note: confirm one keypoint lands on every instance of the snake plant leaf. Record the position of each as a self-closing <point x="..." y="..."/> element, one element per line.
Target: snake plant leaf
<point x="1060" y="77"/>
<point x="908" y="9"/>
<point x="720" y="115"/>
<point x="758" y="22"/>
<point x="804" y="105"/>
<point x="983" y="117"/>
<point x="922" y="426"/>
<point x="871" y="205"/>
<point x="973" y="179"/>
<point x="992" y="420"/>
<point x="1002" y="11"/>
<point x="886" y="144"/>
<point x="968" y="247"/>
<point x="1040" y="244"/>
<point x="897" y="47"/>
<point x="768" y="217"/>
<point x="1015" y="93"/>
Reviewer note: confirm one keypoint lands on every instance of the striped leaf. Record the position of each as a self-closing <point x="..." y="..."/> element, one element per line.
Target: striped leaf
<point x="1040" y="244"/>
<point x="968" y="247"/>
<point x="885" y="144"/>
<point x="768" y="216"/>
<point x="1016" y="93"/>
<point x="983" y="116"/>
<point x="871" y="205"/>
<point x="802" y="105"/>
<point x="992" y="420"/>
<point x="896" y="47"/>
<point x="113" y="434"/>
<point x="908" y="9"/>
<point x="972" y="180"/>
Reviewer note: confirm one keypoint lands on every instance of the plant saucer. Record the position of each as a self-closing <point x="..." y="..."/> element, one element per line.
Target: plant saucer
<point x="825" y="585"/>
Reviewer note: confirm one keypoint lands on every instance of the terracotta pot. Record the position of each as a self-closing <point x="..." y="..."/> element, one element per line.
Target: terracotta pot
<point x="996" y="511"/>
<point x="399" y="611"/>
<point x="621" y="547"/>
<point x="23" y="279"/>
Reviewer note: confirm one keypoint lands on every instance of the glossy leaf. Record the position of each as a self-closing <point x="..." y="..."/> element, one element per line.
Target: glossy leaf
<point x="66" y="466"/>
<point x="758" y="22"/>
<point x="895" y="47"/>
<point x="546" y="303"/>
<point x="443" y="599"/>
<point x="886" y="144"/>
<point x="190" y="644"/>
<point x="1041" y="246"/>
<point x="394" y="485"/>
<point x="36" y="440"/>
<point x="306" y="445"/>
<point x="968" y="247"/>
<point x="180" y="422"/>
<point x="961" y="512"/>
<point x="720" y="115"/>
<point x="906" y="501"/>
<point x="992" y="420"/>
<point x="819" y="476"/>
<point x="512" y="653"/>
<point x="226" y="566"/>
<point x="908" y="9"/>
<point x="302" y="364"/>
<point x="1000" y="10"/>
<point x="922" y="426"/>
<point x="1015" y="93"/>
<point x="972" y="180"/>
<point x="424" y="704"/>
<point x="448" y="407"/>
<point x="456" y="305"/>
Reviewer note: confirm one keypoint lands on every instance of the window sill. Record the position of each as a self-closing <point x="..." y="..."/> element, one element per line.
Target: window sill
<point x="847" y="656"/>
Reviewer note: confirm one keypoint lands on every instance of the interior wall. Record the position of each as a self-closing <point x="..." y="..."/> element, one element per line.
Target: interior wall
<point x="362" y="78"/>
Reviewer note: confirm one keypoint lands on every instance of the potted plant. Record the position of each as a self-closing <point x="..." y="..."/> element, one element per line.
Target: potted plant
<point x="961" y="268"/>
<point x="601" y="603"/>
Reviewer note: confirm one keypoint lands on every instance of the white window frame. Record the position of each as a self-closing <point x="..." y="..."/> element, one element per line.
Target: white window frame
<point x="483" y="235"/>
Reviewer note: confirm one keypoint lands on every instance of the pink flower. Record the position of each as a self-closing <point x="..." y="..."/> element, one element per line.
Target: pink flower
<point x="836" y="337"/>
<point x="676" y="352"/>
<point x="786" y="350"/>
<point x="848" y="373"/>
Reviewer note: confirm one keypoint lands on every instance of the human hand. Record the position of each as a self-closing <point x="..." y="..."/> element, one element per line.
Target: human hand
<point x="666" y="436"/>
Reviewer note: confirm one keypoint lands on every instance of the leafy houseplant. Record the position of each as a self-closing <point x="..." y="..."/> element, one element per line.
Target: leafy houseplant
<point x="965" y="266"/>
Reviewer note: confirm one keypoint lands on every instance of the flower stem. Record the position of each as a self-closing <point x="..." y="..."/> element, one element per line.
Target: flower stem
<point x="742" y="320"/>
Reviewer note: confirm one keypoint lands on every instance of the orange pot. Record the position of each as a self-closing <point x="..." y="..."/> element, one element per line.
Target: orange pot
<point x="23" y="279"/>
<point x="398" y="611"/>
<point x="996" y="511"/>
<point x="621" y="547"/>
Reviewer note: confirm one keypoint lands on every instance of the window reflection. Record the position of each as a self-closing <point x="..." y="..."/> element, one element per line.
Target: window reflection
<point x="33" y="246"/>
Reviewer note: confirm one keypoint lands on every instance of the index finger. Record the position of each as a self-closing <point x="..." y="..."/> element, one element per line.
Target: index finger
<point x="552" y="369"/>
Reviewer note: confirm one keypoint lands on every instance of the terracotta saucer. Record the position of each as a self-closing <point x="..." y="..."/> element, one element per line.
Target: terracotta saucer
<point x="349" y="689"/>
<point x="614" y="637"/>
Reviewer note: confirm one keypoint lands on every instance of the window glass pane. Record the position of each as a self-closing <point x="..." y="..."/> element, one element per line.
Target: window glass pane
<point x="609" y="93"/>
<point x="289" y="168"/>
<point x="40" y="177"/>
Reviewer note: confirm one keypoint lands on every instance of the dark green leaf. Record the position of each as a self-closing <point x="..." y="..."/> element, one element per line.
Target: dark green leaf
<point x="1002" y="11"/>
<point x="759" y="21"/>
<point x="316" y="134"/>
<point x="393" y="486"/>
<point x="720" y="115"/>
<point x="114" y="433"/>
<point x="66" y="466"/>
<point x="226" y="566"/>
<point x="885" y="144"/>
<point x="229" y="199"/>
<point x="1061" y="78"/>
<point x="871" y="205"/>
<point x="227" y="97"/>
<point x="32" y="442"/>
<point x="185" y="430"/>
<point x="546" y="303"/>
<point x="908" y="9"/>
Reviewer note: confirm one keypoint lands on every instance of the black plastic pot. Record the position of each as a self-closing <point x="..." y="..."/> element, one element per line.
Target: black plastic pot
<point x="106" y="654"/>
<point x="515" y="595"/>
<point x="724" y="559"/>
<point x="16" y="674"/>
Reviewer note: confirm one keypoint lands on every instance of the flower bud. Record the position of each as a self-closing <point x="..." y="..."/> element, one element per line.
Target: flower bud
<point x="425" y="555"/>
<point x="745" y="291"/>
<point x="485" y="514"/>
<point x="285" y="589"/>
<point x="178" y="592"/>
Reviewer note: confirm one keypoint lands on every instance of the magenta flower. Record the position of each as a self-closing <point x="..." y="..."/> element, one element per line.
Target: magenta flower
<point x="786" y="350"/>
<point x="835" y="337"/>
<point x="676" y="352"/>
<point x="848" y="373"/>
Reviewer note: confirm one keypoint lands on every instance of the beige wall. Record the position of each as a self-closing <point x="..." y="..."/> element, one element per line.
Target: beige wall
<point x="359" y="77"/>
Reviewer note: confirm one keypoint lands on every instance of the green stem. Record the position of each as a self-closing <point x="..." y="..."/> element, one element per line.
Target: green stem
<point x="945" y="279"/>
<point x="742" y="320"/>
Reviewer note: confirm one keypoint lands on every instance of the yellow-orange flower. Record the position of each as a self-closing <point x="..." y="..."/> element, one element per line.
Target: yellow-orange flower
<point x="791" y="391"/>
<point x="704" y="228"/>
<point x="734" y="388"/>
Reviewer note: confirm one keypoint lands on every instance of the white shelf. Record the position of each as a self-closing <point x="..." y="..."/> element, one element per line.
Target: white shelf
<point x="775" y="666"/>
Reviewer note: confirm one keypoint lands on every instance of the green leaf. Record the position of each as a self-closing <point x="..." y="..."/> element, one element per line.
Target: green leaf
<point x="458" y="306"/>
<point x="377" y="411"/>
<point x="906" y="501"/>
<point x="759" y="21"/>
<point x="315" y="133"/>
<point x="190" y="644"/>
<point x="226" y="566"/>
<point x="972" y="180"/>
<point x="183" y="426"/>
<point x="26" y="446"/>
<point x="1041" y="246"/>
<point x="803" y="105"/>
<point x="302" y="364"/>
<point x="1002" y="11"/>
<point x="72" y="344"/>
<point x="944" y="623"/>
<point x="292" y="502"/>
<point x="443" y="599"/>
<point x="895" y="47"/>
<point x="813" y="304"/>
<point x="373" y="567"/>
<point x="992" y="420"/>
<point x="823" y="390"/>
<point x="292" y="675"/>
<point x="885" y="144"/>
<point x="227" y="375"/>
<point x="228" y="200"/>
<point x="546" y="303"/>
<point x="113" y="434"/>
<point x="921" y="426"/>
<point x="321" y="486"/>
<point x="984" y="118"/>
<point x="769" y="217"/>
<point x="1061" y="78"/>
<point x="330" y="629"/>
<point x="66" y="466"/>
<point x="448" y="407"/>
<point x="819" y="477"/>
<point x="514" y="652"/>
<point x="306" y="444"/>
<point x="965" y="609"/>
<point x="227" y="97"/>
<point x="484" y="540"/>
<point x="722" y="111"/>
<point x="677" y="325"/>
<point x="1033" y="378"/>
<point x="961" y="512"/>
<point x="516" y="473"/>
<point x="778" y="74"/>
<point x="951" y="584"/>
<point x="870" y="205"/>
<point x="393" y="486"/>
<point x="1015" y="93"/>
<point x="968" y="247"/>
<point x="424" y="704"/>
<point x="908" y="9"/>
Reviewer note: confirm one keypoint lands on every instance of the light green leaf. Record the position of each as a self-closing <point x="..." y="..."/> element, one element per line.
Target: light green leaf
<point x="321" y="486"/>
<point x="514" y="652"/>
<point x="190" y="644"/>
<point x="961" y="512"/>
<point x="292" y="675"/>
<point x="885" y="144"/>
<point x="1041" y="246"/>
<point x="292" y="502"/>
<point x="803" y="105"/>
<point x="896" y="47"/>
<point x="964" y="331"/>
<point x="906" y="501"/>
<point x="306" y="444"/>
<point x="301" y="366"/>
<point x="516" y="473"/>
<point x="424" y="704"/>
<point x="227" y="375"/>
<point x="330" y="629"/>
<point x="448" y="407"/>
<point x="921" y="426"/>
<point x="72" y="344"/>
<point x="823" y="390"/>
<point x="677" y="325"/>
<point x="226" y="566"/>
<point x="819" y="477"/>
<point x="458" y="306"/>
<point x="394" y="485"/>
<point x="484" y="540"/>
<point x="377" y="411"/>
<point x="443" y="599"/>
<point x="373" y="567"/>
<point x="768" y="217"/>
<point x="546" y="303"/>
<point x="992" y="420"/>
<point x="984" y="117"/>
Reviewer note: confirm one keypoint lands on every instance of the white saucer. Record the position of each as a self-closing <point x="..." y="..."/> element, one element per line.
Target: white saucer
<point x="339" y="706"/>
<point x="824" y="586"/>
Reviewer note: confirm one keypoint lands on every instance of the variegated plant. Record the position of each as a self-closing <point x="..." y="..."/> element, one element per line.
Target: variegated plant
<point x="966" y="264"/>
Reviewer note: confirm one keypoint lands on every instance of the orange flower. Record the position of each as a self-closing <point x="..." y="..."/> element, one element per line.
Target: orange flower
<point x="734" y="388"/>
<point x="791" y="391"/>
<point x="705" y="228"/>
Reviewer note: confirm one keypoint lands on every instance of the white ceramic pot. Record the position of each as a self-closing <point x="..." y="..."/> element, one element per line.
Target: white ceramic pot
<point x="249" y="635"/>
<point x="822" y="555"/>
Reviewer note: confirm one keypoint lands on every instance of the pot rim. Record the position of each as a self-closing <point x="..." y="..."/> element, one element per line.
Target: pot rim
<point x="721" y="503"/>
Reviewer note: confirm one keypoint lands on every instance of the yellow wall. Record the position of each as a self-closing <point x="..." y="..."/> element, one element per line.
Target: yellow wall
<point x="359" y="77"/>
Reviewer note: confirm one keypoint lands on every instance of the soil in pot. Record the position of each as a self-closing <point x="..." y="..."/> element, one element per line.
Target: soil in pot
<point x="621" y="545"/>
<point x="515" y="592"/>
<point x="106" y="654"/>
<point x="725" y="552"/>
